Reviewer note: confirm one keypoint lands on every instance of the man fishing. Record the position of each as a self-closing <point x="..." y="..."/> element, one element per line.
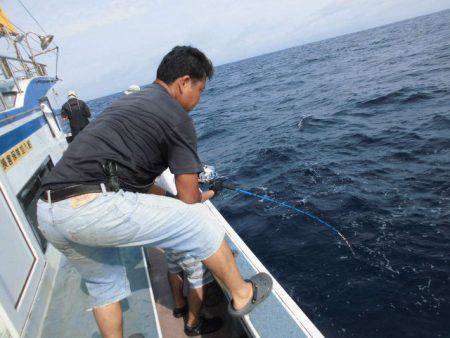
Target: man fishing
<point x="96" y="198"/>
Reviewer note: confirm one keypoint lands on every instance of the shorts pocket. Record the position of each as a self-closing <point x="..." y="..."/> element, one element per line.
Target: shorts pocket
<point x="106" y="224"/>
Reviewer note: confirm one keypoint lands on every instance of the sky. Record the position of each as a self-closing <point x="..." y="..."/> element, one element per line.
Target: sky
<point x="107" y="45"/>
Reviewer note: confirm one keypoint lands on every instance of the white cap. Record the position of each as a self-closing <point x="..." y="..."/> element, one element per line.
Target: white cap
<point x="132" y="89"/>
<point x="71" y="93"/>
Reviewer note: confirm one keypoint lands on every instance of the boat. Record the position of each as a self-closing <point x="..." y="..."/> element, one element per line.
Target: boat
<point x="41" y="295"/>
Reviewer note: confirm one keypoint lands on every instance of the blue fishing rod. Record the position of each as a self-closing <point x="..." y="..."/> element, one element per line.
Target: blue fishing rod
<point x="210" y="175"/>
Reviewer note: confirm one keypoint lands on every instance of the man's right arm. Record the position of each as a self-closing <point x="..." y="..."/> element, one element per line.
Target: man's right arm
<point x="86" y="110"/>
<point x="188" y="190"/>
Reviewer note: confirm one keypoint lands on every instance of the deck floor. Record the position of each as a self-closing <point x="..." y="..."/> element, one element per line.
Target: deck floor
<point x="172" y="327"/>
<point x="68" y="314"/>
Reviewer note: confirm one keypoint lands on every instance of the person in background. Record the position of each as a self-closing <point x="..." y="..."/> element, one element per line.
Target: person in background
<point x="183" y="267"/>
<point x="77" y="112"/>
<point x="132" y="89"/>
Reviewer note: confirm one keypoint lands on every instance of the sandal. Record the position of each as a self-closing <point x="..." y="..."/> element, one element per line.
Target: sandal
<point x="204" y="326"/>
<point x="262" y="287"/>
<point x="179" y="312"/>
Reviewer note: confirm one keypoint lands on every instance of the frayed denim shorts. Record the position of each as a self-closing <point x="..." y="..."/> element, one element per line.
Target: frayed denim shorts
<point x="90" y="235"/>
<point x="195" y="272"/>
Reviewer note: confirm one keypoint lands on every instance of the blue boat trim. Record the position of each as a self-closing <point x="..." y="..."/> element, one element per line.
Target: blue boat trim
<point x="10" y="139"/>
<point x="19" y="116"/>
<point x="36" y="89"/>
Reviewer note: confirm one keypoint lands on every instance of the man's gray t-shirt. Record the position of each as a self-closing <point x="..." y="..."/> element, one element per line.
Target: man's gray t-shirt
<point x="144" y="133"/>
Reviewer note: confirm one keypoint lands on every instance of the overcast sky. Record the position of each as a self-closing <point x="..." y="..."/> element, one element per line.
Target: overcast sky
<point x="106" y="45"/>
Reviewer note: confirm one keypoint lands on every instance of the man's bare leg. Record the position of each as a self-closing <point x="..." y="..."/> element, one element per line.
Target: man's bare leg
<point x="176" y="284"/>
<point x="195" y="298"/>
<point x="109" y="320"/>
<point x="195" y="301"/>
<point x="223" y="265"/>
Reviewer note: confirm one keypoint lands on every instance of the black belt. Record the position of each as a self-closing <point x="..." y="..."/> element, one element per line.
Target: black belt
<point x="72" y="191"/>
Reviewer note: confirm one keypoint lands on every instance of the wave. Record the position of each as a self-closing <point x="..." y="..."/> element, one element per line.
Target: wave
<point x="253" y="163"/>
<point x="417" y="97"/>
<point x="308" y="122"/>
<point x="343" y="112"/>
<point x="433" y="146"/>
<point x="402" y="156"/>
<point x="279" y="154"/>
<point x="359" y="139"/>
<point x="403" y="95"/>
<point x="287" y="99"/>
<point x="205" y="135"/>
<point x="317" y="59"/>
<point x="357" y="203"/>
<point x="300" y="124"/>
<point x="437" y="122"/>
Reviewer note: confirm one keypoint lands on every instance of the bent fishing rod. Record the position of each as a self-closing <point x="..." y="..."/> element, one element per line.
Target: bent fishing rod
<point x="209" y="175"/>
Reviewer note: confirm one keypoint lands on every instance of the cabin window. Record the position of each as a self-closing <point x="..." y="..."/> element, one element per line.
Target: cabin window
<point x="28" y="197"/>
<point x="8" y="100"/>
<point x="7" y="94"/>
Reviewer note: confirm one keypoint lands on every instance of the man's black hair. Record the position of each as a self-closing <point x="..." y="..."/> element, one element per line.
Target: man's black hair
<point x="184" y="60"/>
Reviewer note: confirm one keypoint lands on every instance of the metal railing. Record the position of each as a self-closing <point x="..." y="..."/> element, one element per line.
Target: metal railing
<point x="17" y="69"/>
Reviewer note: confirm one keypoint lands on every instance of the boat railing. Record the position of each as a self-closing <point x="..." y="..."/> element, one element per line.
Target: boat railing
<point x="16" y="69"/>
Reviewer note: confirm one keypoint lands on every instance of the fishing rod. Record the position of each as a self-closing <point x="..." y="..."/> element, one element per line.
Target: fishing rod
<point x="209" y="175"/>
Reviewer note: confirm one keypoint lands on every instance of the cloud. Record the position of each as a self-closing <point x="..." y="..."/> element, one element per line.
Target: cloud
<point x="107" y="45"/>
<point x="111" y="13"/>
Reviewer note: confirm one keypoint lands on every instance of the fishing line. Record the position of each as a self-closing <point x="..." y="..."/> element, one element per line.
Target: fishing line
<point x="333" y="229"/>
<point x="209" y="176"/>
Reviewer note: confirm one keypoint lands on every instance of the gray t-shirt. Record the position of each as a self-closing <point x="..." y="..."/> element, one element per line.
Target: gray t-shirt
<point x="144" y="133"/>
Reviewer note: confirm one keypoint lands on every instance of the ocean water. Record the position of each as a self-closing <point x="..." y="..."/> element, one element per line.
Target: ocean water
<point x="356" y="130"/>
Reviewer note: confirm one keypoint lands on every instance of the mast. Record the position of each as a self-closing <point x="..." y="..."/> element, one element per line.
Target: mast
<point x="6" y="26"/>
<point x="20" y="42"/>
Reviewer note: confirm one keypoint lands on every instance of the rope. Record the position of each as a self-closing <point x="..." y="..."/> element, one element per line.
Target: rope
<point x="333" y="229"/>
<point x="31" y="15"/>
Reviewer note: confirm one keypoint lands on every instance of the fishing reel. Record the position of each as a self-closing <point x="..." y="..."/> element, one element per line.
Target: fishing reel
<point x="208" y="175"/>
<point x="209" y="178"/>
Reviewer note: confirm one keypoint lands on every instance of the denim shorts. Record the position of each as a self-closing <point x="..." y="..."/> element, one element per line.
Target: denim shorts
<point x="90" y="236"/>
<point x="196" y="273"/>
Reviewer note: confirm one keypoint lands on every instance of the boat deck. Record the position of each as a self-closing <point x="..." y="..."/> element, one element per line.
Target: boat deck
<point x="147" y="311"/>
<point x="69" y="315"/>
<point x="172" y="327"/>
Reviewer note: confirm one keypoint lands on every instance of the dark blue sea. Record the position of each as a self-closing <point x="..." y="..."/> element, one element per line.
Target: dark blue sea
<point x="355" y="129"/>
